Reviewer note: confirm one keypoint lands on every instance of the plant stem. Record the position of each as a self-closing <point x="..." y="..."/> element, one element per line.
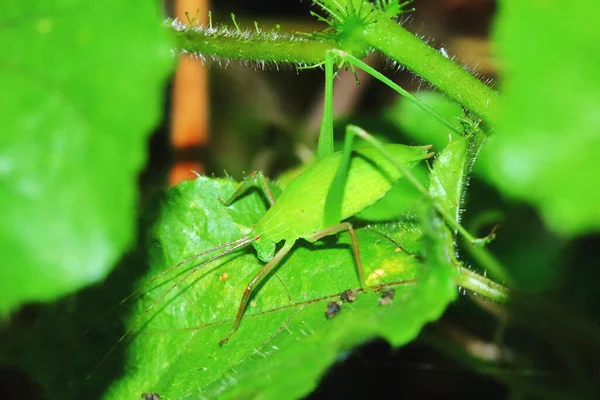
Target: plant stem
<point x="260" y="47"/>
<point x="490" y="263"/>
<point x="390" y="38"/>
<point x="481" y="285"/>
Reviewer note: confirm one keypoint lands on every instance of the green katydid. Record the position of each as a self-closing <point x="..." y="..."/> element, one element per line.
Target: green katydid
<point x="300" y="211"/>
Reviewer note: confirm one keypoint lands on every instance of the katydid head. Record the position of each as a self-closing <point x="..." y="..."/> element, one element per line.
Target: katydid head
<point x="265" y="248"/>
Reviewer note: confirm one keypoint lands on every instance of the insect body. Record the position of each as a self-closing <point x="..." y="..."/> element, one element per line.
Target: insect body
<point x="387" y="297"/>
<point x="303" y="201"/>
<point x="333" y="309"/>
<point x="299" y="213"/>
<point x="349" y="295"/>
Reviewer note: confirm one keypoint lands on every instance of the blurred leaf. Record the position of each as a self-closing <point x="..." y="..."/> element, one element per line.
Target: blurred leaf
<point x="82" y="85"/>
<point x="285" y="342"/>
<point x="420" y="126"/>
<point x="547" y="143"/>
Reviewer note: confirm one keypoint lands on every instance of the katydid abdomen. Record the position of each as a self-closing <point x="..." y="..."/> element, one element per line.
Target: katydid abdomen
<point x="299" y="211"/>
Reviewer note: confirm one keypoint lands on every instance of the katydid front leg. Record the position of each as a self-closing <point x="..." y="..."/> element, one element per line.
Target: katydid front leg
<point x="347" y="226"/>
<point x="255" y="178"/>
<point x="325" y="142"/>
<point x="268" y="267"/>
<point x="349" y="58"/>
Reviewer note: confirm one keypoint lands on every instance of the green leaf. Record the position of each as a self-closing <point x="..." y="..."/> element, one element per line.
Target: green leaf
<point x="547" y="143"/>
<point x="449" y="176"/>
<point x="285" y="342"/>
<point x="82" y="84"/>
<point x="419" y="126"/>
<point x="446" y="186"/>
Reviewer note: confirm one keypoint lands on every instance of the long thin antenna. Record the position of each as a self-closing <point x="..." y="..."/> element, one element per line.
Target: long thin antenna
<point x="180" y="263"/>
<point x="239" y="243"/>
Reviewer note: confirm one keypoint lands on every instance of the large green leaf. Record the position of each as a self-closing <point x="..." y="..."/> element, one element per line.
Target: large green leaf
<point x="82" y="86"/>
<point x="547" y="143"/>
<point x="285" y="342"/>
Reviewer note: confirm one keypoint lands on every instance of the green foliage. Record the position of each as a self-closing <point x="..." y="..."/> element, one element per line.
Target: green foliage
<point x="79" y="103"/>
<point x="547" y="144"/>
<point x="449" y="175"/>
<point x="285" y="336"/>
<point x="86" y="79"/>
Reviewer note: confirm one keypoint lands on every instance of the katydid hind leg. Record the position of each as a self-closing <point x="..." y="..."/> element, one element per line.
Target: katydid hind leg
<point x="325" y="142"/>
<point x="341" y="227"/>
<point x="254" y="179"/>
<point x="335" y="195"/>
<point x="264" y="271"/>
<point x="373" y="141"/>
<point x="398" y="89"/>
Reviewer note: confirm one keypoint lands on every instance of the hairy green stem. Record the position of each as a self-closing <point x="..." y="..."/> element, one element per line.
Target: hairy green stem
<point x="257" y="46"/>
<point x="481" y="285"/>
<point x="380" y="32"/>
<point x="490" y="263"/>
<point x="390" y="38"/>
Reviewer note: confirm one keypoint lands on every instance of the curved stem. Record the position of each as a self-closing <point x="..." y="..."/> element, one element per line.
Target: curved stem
<point x="393" y="40"/>
<point x="481" y="285"/>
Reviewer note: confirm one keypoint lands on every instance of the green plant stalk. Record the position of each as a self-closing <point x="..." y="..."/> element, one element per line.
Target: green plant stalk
<point x="390" y="38"/>
<point x="261" y="46"/>
<point x="481" y="285"/>
<point x="381" y="33"/>
<point x="490" y="263"/>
